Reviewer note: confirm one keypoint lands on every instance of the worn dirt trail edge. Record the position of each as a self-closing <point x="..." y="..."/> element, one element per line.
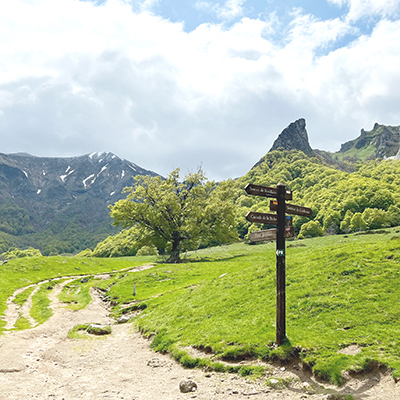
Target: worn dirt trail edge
<point x="43" y="363"/>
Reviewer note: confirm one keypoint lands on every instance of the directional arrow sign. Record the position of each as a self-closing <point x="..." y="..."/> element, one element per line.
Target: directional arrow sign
<point x="265" y="191"/>
<point x="292" y="209"/>
<point x="263" y="218"/>
<point x="263" y="236"/>
<point x="270" y="234"/>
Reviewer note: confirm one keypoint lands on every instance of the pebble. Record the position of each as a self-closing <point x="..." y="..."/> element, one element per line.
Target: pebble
<point x="187" y="386"/>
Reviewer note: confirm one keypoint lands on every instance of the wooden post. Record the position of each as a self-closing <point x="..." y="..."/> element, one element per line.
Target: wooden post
<point x="282" y="231"/>
<point x="280" y="268"/>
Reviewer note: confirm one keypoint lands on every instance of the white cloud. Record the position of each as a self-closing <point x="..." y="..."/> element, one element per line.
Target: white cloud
<point x="368" y="68"/>
<point x="230" y="10"/>
<point x="361" y="8"/>
<point x="148" y="5"/>
<point x="77" y="78"/>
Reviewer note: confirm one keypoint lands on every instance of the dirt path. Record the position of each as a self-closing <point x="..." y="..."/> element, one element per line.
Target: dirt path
<point x="43" y="363"/>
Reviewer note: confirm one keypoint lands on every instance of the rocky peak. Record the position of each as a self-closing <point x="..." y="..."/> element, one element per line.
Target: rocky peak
<point x="294" y="137"/>
<point x="380" y="142"/>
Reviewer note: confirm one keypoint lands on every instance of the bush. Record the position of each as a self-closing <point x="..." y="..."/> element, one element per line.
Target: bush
<point x="311" y="229"/>
<point x="375" y="218"/>
<point x="150" y="250"/>
<point x="357" y="223"/>
<point x="85" y="253"/>
<point x="123" y="244"/>
<point x="17" y="253"/>
<point x="345" y="224"/>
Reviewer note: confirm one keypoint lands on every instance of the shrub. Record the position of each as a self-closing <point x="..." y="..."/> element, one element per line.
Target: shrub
<point x="150" y="250"/>
<point x="85" y="253"/>
<point x="375" y="218"/>
<point x="357" y="223"/>
<point x="17" y="253"/>
<point x="311" y="229"/>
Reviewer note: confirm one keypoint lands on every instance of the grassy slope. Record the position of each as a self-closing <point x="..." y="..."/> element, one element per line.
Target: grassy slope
<point x="22" y="272"/>
<point x="340" y="291"/>
<point x="363" y="154"/>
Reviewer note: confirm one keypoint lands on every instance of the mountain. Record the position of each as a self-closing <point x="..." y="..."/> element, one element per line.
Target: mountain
<point x="39" y="194"/>
<point x="294" y="137"/>
<point x="381" y="142"/>
<point x="60" y="205"/>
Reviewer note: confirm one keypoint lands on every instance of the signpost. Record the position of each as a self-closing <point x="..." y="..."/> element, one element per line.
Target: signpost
<point x="264" y="218"/>
<point x="270" y="234"/>
<point x="265" y="191"/>
<point x="292" y="209"/>
<point x="284" y="230"/>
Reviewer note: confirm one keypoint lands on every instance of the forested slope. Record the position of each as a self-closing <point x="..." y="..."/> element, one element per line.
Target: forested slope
<point x="368" y="198"/>
<point x="342" y="202"/>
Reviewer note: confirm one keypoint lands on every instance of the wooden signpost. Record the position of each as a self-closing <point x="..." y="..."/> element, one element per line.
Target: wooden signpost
<point x="292" y="209"/>
<point x="284" y="230"/>
<point x="270" y="234"/>
<point x="265" y="191"/>
<point x="264" y="218"/>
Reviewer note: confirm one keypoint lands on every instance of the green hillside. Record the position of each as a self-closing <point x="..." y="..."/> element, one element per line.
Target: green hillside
<point x="341" y="291"/>
<point x="338" y="199"/>
<point x="342" y="202"/>
<point x="380" y="142"/>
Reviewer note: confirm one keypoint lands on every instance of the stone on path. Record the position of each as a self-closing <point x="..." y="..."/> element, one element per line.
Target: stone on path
<point x="187" y="386"/>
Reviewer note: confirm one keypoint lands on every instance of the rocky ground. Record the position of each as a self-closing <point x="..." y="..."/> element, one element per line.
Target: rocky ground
<point x="43" y="363"/>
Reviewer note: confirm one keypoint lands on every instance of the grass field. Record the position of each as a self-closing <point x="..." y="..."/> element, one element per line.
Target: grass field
<point x="18" y="273"/>
<point x="341" y="291"/>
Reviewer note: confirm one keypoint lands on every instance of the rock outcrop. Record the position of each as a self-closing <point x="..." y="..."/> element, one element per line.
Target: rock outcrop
<point x="381" y="142"/>
<point x="294" y="137"/>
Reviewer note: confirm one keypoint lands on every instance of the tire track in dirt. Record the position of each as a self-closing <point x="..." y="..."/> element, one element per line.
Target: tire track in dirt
<point x="14" y="311"/>
<point x="26" y="308"/>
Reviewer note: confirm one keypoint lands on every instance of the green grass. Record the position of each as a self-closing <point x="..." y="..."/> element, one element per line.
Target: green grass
<point x="22" y="323"/>
<point x="18" y="273"/>
<point x="340" y="291"/>
<point x="76" y="294"/>
<point x="21" y="298"/>
<point x="40" y="310"/>
<point x="363" y="154"/>
<point x="90" y="331"/>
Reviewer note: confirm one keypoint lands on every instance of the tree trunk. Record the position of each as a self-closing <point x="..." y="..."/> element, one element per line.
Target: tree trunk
<point x="175" y="252"/>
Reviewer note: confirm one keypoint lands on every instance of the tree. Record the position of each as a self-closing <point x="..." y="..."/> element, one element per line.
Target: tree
<point x="311" y="229"/>
<point x="345" y="224"/>
<point x="393" y="215"/>
<point x="375" y="218"/>
<point x="178" y="216"/>
<point x="357" y="223"/>
<point x="332" y="222"/>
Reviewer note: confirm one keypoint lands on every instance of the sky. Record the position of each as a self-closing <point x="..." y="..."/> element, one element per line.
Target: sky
<point x="178" y="83"/>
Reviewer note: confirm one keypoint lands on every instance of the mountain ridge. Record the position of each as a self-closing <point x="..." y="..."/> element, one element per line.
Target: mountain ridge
<point x="50" y="193"/>
<point x="60" y="204"/>
<point x="383" y="141"/>
<point x="294" y="137"/>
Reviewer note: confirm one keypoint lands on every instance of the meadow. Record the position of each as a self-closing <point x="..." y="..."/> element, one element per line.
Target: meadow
<point x="341" y="291"/>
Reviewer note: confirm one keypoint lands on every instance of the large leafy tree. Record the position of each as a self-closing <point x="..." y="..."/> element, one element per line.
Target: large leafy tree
<point x="178" y="216"/>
